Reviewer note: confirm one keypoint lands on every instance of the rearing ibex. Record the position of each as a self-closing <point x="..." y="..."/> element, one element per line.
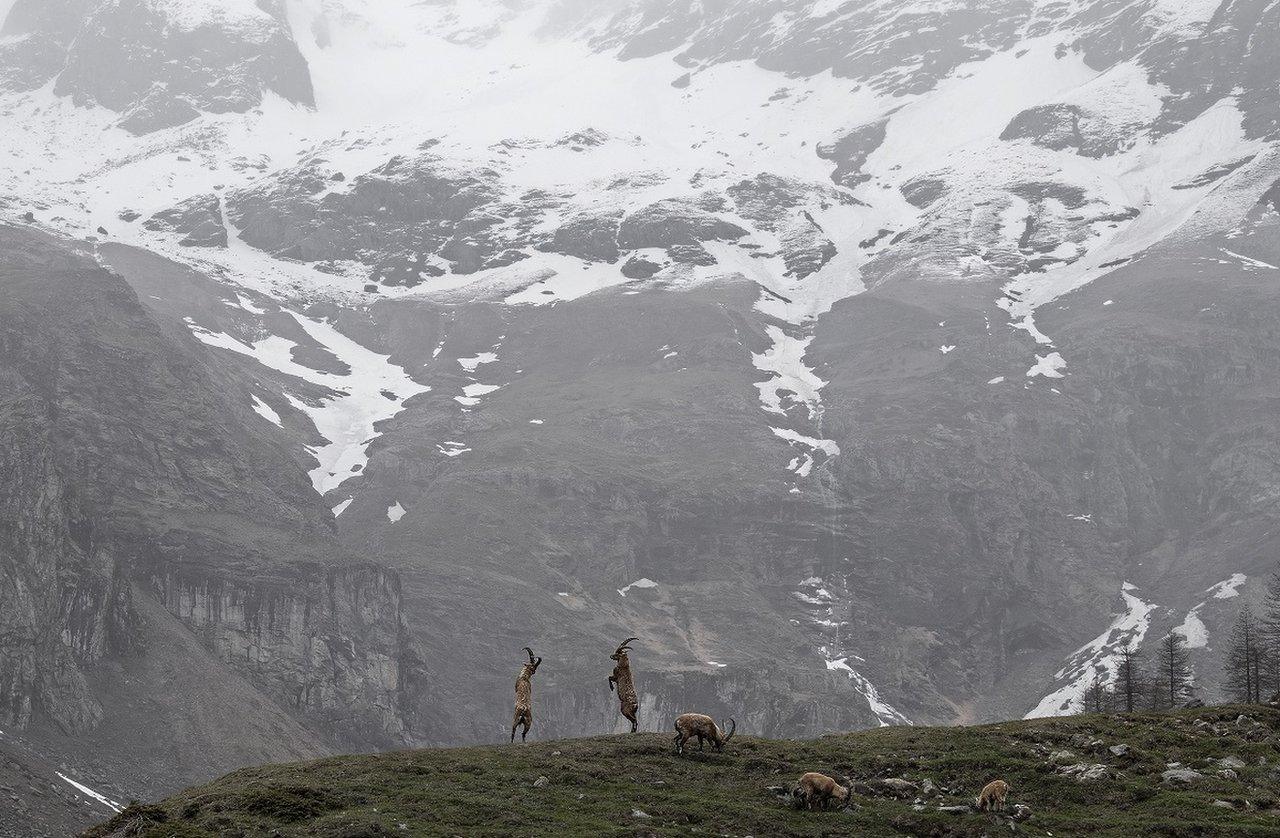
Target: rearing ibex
<point x="621" y="678"/>
<point x="524" y="697"/>
<point x="704" y="727"/>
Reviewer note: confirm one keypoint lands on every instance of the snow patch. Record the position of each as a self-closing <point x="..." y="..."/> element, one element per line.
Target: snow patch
<point x="470" y="364"/>
<point x="1099" y="657"/>
<point x="88" y="792"/>
<point x="264" y="410"/>
<point x="639" y="583"/>
<point x="1049" y="366"/>
<point x="395" y="512"/>
<point x="885" y="713"/>
<point x="347" y="417"/>
<point x="784" y="360"/>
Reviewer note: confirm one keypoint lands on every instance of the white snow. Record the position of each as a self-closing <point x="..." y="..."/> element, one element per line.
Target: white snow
<point x="946" y="348"/>
<point x="1050" y="366"/>
<point x="885" y="713"/>
<point x="1228" y="588"/>
<point x="470" y="364"/>
<point x="717" y="664"/>
<point x="639" y="583"/>
<point x="1099" y="657"/>
<point x="395" y="512"/>
<point x="535" y="421"/>
<point x="245" y="303"/>
<point x="824" y="445"/>
<point x="88" y="792"/>
<point x="452" y="448"/>
<point x="1250" y="261"/>
<point x="1192" y="627"/>
<point x="342" y="507"/>
<point x="472" y="392"/>
<point x="784" y="360"/>
<point x="264" y="410"/>
<point x="999" y="379"/>
<point x="347" y="417"/>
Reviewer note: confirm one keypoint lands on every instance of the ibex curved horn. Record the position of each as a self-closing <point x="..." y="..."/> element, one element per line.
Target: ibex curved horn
<point x="530" y="651"/>
<point x="732" y="727"/>
<point x="624" y="646"/>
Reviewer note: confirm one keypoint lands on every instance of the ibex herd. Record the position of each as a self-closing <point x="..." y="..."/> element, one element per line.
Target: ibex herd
<point x="688" y="726"/>
<point x="812" y="791"/>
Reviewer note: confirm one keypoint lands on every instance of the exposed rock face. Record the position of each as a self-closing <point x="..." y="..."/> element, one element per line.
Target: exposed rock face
<point x="325" y="643"/>
<point x="198" y="221"/>
<point x="1064" y="126"/>
<point x="158" y="62"/>
<point x="391" y="218"/>
<point x="140" y="496"/>
<point x="850" y="151"/>
<point x="674" y="223"/>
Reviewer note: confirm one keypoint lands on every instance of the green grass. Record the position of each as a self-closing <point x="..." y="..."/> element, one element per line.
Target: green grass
<point x="595" y="785"/>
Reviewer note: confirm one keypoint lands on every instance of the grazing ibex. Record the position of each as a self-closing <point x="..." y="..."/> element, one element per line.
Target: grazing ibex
<point x="524" y="697"/>
<point x="816" y="791"/>
<point x="704" y="727"/>
<point x="991" y="798"/>
<point x="621" y="678"/>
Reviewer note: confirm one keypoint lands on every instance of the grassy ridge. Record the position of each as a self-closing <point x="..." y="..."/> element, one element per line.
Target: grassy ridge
<point x="634" y="785"/>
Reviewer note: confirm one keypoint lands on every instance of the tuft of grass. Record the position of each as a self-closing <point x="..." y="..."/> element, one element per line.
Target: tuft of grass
<point x="635" y="785"/>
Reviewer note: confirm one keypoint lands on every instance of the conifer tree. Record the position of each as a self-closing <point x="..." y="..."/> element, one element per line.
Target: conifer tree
<point x="1245" y="652"/>
<point x="1096" y="697"/>
<point x="1128" y="689"/>
<point x="1173" y="670"/>
<point x="1269" y="638"/>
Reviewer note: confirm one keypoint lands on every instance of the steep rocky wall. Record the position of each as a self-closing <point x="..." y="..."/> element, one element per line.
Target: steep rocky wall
<point x="132" y="466"/>
<point x="330" y="644"/>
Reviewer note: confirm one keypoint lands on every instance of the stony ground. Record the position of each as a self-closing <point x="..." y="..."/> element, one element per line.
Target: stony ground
<point x="1210" y="771"/>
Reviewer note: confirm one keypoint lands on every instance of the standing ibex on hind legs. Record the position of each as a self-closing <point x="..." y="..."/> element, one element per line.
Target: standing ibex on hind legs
<point x="524" y="697"/>
<point x="704" y="727"/>
<point x="621" y="678"/>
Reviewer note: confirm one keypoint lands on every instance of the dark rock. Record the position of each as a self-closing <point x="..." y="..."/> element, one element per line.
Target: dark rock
<point x="671" y="223"/>
<point x="198" y="220"/>
<point x="851" y="151"/>
<point x="638" y="267"/>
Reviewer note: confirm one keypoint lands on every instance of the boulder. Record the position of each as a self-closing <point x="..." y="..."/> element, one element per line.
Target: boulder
<point x="1180" y="776"/>
<point x="899" y="787"/>
<point x="1086" y="772"/>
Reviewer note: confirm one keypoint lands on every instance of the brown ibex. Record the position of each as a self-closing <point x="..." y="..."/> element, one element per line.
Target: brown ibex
<point x="524" y="697"/>
<point x="991" y="798"/>
<point x="816" y="791"/>
<point x="621" y="678"/>
<point x="704" y="727"/>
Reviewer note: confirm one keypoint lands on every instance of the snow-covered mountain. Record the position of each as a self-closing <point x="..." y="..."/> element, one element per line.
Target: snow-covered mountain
<point x="876" y="361"/>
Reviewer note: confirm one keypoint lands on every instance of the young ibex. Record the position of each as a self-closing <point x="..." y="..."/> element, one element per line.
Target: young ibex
<point x="621" y="678"/>
<point x="524" y="697"/>
<point x="704" y="727"/>
<point x="991" y="798"/>
<point x="816" y="791"/>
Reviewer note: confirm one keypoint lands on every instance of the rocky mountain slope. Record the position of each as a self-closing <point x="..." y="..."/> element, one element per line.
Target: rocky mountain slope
<point x="874" y="362"/>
